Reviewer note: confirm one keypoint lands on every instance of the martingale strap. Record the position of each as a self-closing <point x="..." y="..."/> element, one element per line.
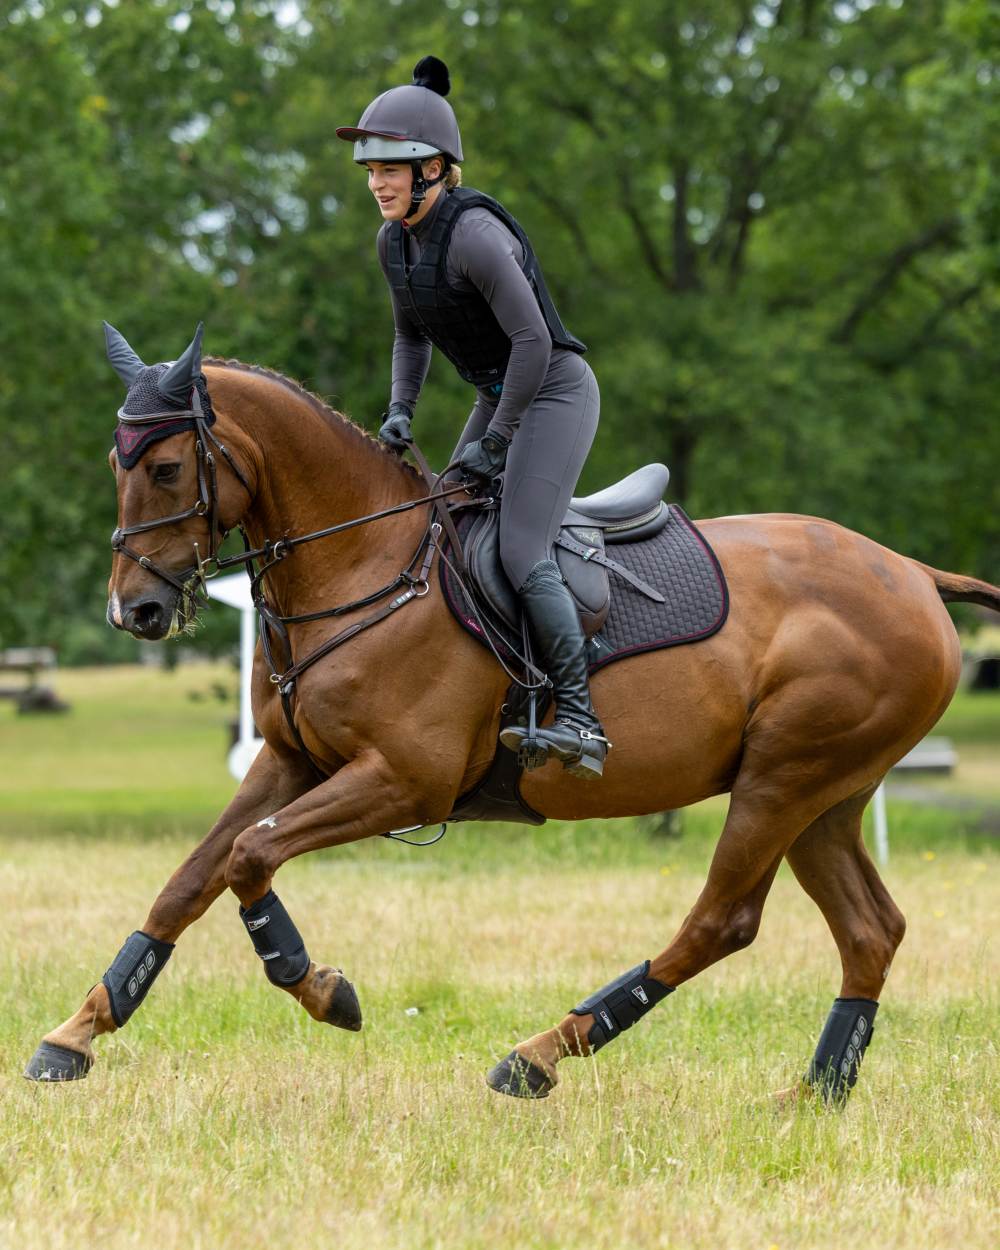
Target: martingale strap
<point x="273" y="626"/>
<point x="275" y="640"/>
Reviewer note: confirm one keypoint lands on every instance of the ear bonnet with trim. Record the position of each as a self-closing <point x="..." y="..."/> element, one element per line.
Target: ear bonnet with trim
<point x="160" y="397"/>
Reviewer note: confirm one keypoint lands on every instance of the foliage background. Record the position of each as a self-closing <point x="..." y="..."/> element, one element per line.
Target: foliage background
<point x="776" y="224"/>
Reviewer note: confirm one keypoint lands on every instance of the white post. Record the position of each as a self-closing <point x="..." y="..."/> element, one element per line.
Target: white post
<point x="881" y="826"/>
<point x="248" y="640"/>
<point x="235" y="591"/>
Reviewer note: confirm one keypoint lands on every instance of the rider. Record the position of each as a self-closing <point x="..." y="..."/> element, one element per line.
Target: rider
<point x="463" y="276"/>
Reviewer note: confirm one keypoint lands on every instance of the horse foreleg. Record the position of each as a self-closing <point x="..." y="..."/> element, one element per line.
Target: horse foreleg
<point x="831" y="864"/>
<point x="725" y="919"/>
<point x="366" y="797"/>
<point x="67" y="1052"/>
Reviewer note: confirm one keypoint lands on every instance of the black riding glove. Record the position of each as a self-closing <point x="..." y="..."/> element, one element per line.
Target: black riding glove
<point x="484" y="458"/>
<point x="395" y="429"/>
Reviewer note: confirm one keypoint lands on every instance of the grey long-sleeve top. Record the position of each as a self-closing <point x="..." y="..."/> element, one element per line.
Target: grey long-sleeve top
<point x="483" y="256"/>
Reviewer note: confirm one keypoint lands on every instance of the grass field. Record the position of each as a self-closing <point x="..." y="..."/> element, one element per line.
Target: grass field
<point x="222" y="1116"/>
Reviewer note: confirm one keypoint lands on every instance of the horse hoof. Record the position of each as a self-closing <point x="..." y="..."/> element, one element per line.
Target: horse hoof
<point x="344" y="1010"/>
<point x="519" y="1078"/>
<point x="57" y="1063"/>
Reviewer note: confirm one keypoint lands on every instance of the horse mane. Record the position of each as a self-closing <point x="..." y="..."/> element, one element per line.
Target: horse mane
<point x="332" y="417"/>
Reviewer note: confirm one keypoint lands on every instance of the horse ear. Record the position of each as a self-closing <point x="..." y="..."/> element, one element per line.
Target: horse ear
<point x="123" y="359"/>
<point x="175" y="385"/>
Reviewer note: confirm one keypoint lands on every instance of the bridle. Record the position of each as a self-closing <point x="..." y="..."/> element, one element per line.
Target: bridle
<point x="411" y="582"/>
<point x="191" y="580"/>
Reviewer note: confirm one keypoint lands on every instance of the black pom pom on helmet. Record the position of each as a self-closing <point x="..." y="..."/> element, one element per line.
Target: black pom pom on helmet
<point x="431" y="73"/>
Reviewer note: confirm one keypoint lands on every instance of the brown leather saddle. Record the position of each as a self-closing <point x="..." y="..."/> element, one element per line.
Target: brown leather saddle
<point x="629" y="511"/>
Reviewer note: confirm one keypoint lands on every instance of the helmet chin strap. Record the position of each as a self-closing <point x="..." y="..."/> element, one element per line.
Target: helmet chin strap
<point x="422" y="185"/>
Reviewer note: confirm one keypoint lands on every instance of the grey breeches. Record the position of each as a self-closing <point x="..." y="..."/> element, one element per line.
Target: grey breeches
<point x="544" y="463"/>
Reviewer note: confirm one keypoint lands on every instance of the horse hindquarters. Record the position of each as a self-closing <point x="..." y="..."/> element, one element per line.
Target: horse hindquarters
<point x="839" y="696"/>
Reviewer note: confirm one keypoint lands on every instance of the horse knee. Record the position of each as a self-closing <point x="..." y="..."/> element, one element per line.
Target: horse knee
<point x="249" y="863"/>
<point x="741" y="927"/>
<point x="894" y="924"/>
<point x="726" y="932"/>
<point x="868" y="953"/>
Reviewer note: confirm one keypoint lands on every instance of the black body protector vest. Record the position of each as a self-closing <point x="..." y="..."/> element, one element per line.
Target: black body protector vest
<point x="461" y="323"/>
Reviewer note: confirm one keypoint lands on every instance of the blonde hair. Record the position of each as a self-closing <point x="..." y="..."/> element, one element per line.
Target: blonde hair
<point x="452" y="179"/>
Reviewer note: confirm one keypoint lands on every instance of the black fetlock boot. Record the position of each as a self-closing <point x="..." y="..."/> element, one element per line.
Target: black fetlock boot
<point x="576" y="738"/>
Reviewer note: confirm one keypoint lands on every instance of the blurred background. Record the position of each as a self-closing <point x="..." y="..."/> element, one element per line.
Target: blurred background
<point x="775" y="224"/>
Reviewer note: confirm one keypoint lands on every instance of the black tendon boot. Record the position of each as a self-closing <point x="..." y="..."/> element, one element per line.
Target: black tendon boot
<point x="576" y="738"/>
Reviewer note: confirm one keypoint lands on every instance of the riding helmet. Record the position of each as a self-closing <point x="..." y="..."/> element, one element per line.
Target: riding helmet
<point x="409" y="123"/>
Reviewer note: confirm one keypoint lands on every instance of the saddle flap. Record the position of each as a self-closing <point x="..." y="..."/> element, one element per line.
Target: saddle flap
<point x="587" y="581"/>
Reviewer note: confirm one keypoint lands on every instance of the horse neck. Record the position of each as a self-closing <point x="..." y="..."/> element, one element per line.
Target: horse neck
<point x="311" y="471"/>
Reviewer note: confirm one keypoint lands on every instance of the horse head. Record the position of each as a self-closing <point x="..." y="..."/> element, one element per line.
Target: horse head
<point x="174" y="508"/>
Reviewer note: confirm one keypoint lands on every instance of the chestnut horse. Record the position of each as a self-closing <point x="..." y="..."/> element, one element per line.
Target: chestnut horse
<point x="837" y="657"/>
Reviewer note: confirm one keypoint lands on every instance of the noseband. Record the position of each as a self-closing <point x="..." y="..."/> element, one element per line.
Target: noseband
<point x="193" y="578"/>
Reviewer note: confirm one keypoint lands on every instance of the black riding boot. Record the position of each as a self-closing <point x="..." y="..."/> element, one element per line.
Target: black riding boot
<point x="576" y="738"/>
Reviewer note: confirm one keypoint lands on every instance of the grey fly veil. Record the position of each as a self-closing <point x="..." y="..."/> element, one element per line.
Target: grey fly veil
<point x="161" y="399"/>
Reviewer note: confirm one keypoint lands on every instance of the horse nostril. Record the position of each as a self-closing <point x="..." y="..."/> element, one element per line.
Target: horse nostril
<point x="144" y="619"/>
<point x="148" y="615"/>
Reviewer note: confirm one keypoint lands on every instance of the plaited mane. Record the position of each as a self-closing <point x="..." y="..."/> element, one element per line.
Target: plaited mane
<point x="334" y="418"/>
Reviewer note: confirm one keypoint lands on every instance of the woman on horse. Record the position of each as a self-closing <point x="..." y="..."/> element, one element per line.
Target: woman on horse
<point x="463" y="277"/>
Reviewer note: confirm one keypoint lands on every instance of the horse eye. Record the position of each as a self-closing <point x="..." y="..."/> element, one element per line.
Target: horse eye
<point x="166" y="472"/>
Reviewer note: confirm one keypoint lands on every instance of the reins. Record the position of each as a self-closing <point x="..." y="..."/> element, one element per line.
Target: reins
<point x="275" y="639"/>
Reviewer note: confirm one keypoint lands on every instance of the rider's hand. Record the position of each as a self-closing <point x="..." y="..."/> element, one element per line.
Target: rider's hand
<point x="395" y="429"/>
<point x="485" y="458"/>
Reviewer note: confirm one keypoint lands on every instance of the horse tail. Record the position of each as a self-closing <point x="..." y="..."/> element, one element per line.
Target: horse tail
<point x="955" y="588"/>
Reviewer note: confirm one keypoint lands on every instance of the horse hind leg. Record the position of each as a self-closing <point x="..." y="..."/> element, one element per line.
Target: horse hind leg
<point x="724" y="919"/>
<point x="831" y="864"/>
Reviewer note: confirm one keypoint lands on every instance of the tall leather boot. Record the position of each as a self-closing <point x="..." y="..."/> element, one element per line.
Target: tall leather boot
<point x="576" y="737"/>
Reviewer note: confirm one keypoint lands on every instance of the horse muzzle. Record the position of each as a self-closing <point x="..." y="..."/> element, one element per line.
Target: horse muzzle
<point x="149" y="618"/>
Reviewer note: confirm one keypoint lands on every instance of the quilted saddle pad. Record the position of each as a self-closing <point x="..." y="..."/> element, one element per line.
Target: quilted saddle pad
<point x="678" y="562"/>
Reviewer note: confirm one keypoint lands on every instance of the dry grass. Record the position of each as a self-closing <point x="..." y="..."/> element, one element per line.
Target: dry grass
<point x="223" y="1109"/>
<point x="222" y="1116"/>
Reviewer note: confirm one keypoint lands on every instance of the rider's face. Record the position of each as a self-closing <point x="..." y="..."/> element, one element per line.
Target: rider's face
<point x="392" y="185"/>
